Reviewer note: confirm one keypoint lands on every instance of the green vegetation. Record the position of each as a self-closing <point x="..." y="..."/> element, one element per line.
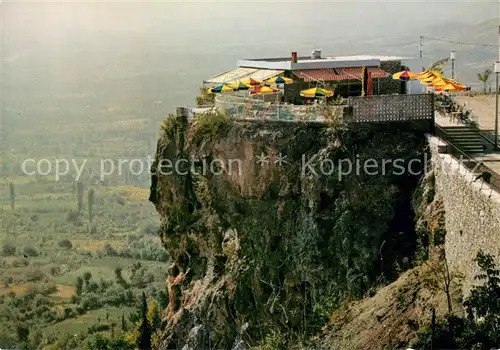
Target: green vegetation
<point x="265" y="251"/>
<point x="12" y="194"/>
<point x="76" y="252"/>
<point x="438" y="65"/>
<point x="206" y="98"/>
<point x="479" y="329"/>
<point x="484" y="78"/>
<point x="90" y="201"/>
<point x="79" y="186"/>
<point x="209" y="125"/>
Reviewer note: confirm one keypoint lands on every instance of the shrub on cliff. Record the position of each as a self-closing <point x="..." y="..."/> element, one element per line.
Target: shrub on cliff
<point x="209" y="125"/>
<point x="480" y="328"/>
<point x="206" y="98"/>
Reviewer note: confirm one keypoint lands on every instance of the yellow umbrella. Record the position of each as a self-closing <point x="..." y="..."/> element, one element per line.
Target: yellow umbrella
<point x="222" y="88"/>
<point x="436" y="81"/>
<point x="451" y="87"/>
<point x="239" y="85"/>
<point x="429" y="74"/>
<point x="279" y="80"/>
<point x="405" y="75"/>
<point x="441" y="81"/>
<point x="316" y="92"/>
<point x="447" y="87"/>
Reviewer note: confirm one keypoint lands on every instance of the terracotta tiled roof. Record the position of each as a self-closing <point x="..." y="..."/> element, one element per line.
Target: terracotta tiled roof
<point x="332" y="74"/>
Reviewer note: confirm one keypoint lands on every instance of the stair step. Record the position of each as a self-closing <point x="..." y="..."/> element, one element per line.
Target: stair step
<point x="461" y="132"/>
<point x="466" y="140"/>
<point x="468" y="144"/>
<point x="454" y="132"/>
<point x="458" y="128"/>
<point x="470" y="138"/>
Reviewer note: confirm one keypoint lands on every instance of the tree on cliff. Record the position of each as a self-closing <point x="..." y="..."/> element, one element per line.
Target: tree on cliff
<point x="484" y="77"/>
<point x="441" y="277"/>
<point x="162" y="299"/>
<point x="479" y="330"/>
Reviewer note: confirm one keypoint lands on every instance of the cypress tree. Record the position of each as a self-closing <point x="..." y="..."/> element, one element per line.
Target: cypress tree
<point x="124" y="323"/>
<point x="79" y="187"/>
<point x="91" y="201"/>
<point x="12" y="192"/>
<point x="144" y="337"/>
<point x="79" y="285"/>
<point x="153" y="315"/>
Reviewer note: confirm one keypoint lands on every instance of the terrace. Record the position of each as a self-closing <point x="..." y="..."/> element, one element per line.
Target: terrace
<point x="339" y="73"/>
<point x="342" y="74"/>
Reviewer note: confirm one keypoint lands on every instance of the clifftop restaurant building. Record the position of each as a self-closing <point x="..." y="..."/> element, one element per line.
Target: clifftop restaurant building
<point x="341" y="73"/>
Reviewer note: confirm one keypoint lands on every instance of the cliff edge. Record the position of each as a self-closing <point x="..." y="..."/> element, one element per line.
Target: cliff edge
<point x="270" y="231"/>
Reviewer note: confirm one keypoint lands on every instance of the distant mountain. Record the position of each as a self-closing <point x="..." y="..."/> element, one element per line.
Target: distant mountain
<point x="470" y="59"/>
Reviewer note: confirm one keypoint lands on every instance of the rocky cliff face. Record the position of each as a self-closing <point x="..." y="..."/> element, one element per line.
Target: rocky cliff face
<point x="263" y="252"/>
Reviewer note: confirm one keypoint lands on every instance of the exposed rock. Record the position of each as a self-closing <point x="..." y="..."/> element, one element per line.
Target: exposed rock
<point x="278" y="244"/>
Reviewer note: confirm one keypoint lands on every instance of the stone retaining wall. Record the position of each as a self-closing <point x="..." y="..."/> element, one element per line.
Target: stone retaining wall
<point x="472" y="219"/>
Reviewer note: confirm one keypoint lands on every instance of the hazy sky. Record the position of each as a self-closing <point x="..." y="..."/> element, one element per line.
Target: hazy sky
<point x="138" y="52"/>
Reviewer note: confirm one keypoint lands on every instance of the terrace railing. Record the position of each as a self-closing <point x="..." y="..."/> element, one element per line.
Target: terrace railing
<point x="474" y="165"/>
<point x="379" y="108"/>
<point x="255" y="108"/>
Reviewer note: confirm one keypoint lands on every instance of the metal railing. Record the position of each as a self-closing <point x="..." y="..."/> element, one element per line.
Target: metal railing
<point x="474" y="165"/>
<point x="380" y="108"/>
<point x="255" y="108"/>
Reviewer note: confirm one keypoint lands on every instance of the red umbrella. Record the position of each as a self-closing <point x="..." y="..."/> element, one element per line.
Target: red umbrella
<point x="263" y="90"/>
<point x="252" y="82"/>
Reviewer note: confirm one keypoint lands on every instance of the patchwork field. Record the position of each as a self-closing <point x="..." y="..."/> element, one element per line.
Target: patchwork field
<point x="75" y="253"/>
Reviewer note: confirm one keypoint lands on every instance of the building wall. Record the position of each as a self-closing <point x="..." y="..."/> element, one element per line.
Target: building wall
<point x="292" y="91"/>
<point x="472" y="219"/>
<point x="388" y="85"/>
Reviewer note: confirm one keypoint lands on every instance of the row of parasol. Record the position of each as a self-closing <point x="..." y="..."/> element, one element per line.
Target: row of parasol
<point x="264" y="87"/>
<point x="432" y="79"/>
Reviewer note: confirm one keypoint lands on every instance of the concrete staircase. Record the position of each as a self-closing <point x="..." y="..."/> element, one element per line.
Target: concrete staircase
<point x="467" y="139"/>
